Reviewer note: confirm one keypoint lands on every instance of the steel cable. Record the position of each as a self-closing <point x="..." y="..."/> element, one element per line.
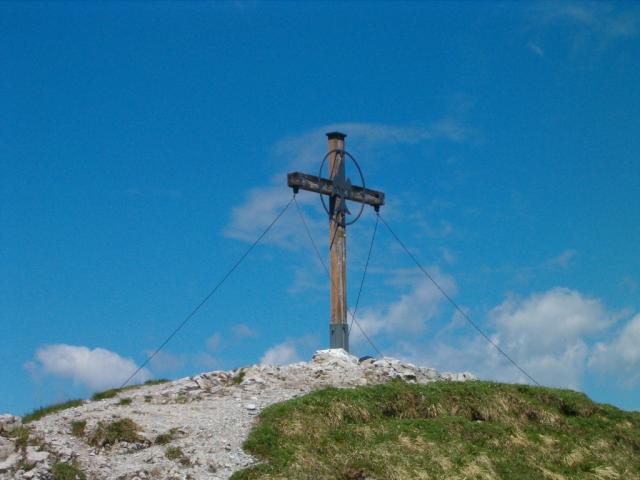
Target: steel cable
<point x="317" y="250"/>
<point x="364" y="273"/>
<point x="210" y="294"/>
<point x="456" y="306"/>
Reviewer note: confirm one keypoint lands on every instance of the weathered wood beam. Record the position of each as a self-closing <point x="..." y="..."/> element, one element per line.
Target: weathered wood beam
<point x="324" y="186"/>
<point x="338" y="322"/>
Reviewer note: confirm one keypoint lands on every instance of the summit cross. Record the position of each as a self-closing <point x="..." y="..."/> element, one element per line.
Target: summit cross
<point x="338" y="189"/>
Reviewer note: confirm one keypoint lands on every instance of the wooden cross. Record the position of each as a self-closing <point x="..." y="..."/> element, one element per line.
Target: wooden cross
<point x="339" y="189"/>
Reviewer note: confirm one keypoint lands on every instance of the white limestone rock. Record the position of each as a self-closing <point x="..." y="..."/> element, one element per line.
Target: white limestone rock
<point x="8" y="463"/>
<point x="335" y="357"/>
<point x="212" y="380"/>
<point x="9" y="423"/>
<point x="35" y="456"/>
<point x="7" y="447"/>
<point x="458" y="377"/>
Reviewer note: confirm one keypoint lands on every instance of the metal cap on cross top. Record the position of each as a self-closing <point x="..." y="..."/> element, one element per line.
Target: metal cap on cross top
<point x="339" y="189"/>
<point x="337" y="135"/>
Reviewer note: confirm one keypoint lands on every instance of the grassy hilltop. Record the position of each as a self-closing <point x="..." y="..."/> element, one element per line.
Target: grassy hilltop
<point x="445" y="430"/>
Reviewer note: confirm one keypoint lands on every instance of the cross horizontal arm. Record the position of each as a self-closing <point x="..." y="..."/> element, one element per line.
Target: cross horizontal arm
<point x="297" y="180"/>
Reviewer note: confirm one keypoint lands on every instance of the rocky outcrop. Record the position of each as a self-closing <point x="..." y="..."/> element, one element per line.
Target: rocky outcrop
<point x="203" y="420"/>
<point x="9" y="423"/>
<point x="9" y="457"/>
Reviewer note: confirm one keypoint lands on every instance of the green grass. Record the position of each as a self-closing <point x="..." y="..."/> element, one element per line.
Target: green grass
<point x="444" y="430"/>
<point x="166" y="437"/>
<point x="157" y="381"/>
<point x="182" y="398"/>
<point x="21" y="436"/>
<point x="110" y="433"/>
<point x="238" y="377"/>
<point x="113" y="392"/>
<point x="23" y="464"/>
<point x="42" y="411"/>
<point x="177" y="455"/>
<point x="125" y="401"/>
<point x="106" y="394"/>
<point x="173" y="453"/>
<point x="66" y="471"/>
<point x="77" y="427"/>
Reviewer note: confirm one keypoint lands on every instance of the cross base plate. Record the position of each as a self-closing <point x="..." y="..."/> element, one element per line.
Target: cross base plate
<point x="339" y="336"/>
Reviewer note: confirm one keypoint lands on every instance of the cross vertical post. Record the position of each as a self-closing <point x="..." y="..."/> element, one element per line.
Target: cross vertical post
<point x="339" y="190"/>
<point x="339" y="326"/>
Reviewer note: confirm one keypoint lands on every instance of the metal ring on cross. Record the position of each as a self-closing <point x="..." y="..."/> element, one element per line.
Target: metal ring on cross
<point x="345" y="154"/>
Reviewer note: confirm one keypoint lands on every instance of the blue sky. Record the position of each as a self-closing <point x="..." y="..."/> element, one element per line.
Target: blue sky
<point x="143" y="145"/>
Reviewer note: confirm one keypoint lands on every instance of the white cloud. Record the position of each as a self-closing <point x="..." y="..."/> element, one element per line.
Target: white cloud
<point x="563" y="260"/>
<point x="549" y="320"/>
<point x="281" y="354"/>
<point x="308" y="149"/>
<point x="598" y="17"/>
<point x="593" y="26"/>
<point x="96" y="369"/>
<point x="304" y="153"/>
<point x="288" y="351"/>
<point x="562" y="368"/>
<point x="448" y="255"/>
<point x="621" y="356"/>
<point x="244" y="331"/>
<point x="262" y="204"/>
<point x="412" y="311"/>
<point x="548" y="334"/>
<point x="213" y="342"/>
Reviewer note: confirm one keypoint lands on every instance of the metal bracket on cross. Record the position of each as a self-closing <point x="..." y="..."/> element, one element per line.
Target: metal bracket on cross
<point x="338" y="187"/>
<point x="342" y="187"/>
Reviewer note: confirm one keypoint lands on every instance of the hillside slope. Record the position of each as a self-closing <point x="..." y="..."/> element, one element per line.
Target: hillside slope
<point x="192" y="428"/>
<point x="472" y="430"/>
